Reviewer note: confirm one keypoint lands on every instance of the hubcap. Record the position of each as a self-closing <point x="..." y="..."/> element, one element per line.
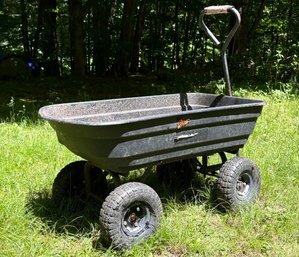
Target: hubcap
<point x="136" y="219"/>
<point x="243" y="185"/>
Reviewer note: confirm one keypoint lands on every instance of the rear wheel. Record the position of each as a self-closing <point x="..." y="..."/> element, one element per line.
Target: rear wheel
<point x="179" y="174"/>
<point x="69" y="184"/>
<point x="238" y="183"/>
<point x="130" y="213"/>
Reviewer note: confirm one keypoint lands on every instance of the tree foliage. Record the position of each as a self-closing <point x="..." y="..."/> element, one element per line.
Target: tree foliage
<point x="90" y="37"/>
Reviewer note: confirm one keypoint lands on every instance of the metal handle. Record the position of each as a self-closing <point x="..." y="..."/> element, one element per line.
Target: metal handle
<point x="186" y="136"/>
<point x="217" y="9"/>
<point x="220" y="9"/>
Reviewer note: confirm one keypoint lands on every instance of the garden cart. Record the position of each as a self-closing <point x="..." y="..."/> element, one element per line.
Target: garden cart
<point x="120" y="135"/>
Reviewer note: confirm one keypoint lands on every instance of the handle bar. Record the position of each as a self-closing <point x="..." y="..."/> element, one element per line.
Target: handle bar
<point x="222" y="9"/>
<point x="217" y="9"/>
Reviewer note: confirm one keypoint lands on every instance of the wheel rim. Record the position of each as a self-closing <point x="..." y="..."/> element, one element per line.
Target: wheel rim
<point x="243" y="185"/>
<point x="136" y="218"/>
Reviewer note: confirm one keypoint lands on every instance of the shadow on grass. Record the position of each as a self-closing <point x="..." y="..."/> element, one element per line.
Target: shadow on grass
<point x="75" y="218"/>
<point x="21" y="100"/>
<point x="82" y="217"/>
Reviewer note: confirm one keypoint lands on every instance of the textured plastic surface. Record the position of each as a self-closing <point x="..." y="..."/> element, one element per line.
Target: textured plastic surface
<point x="124" y="134"/>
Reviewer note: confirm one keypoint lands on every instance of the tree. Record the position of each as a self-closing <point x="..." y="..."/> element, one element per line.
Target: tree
<point x="76" y="38"/>
<point x="248" y="25"/>
<point x="103" y="19"/>
<point x="123" y="58"/>
<point x="24" y="27"/>
<point x="49" y="43"/>
<point x="139" y="27"/>
<point x="93" y="37"/>
<point x="46" y="37"/>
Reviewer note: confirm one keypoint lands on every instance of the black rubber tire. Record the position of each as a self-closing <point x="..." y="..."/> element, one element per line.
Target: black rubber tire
<point x="238" y="183"/>
<point x="69" y="184"/>
<point x="130" y="213"/>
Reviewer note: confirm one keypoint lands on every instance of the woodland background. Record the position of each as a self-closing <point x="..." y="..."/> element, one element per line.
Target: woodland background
<point x="87" y="38"/>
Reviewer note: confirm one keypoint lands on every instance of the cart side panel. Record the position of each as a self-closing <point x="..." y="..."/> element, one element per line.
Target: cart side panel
<point x="138" y="144"/>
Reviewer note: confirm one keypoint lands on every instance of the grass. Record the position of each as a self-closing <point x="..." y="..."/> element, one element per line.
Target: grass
<point x="30" y="225"/>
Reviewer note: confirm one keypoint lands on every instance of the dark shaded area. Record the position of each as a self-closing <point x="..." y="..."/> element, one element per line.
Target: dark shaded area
<point x="81" y="217"/>
<point x="120" y="38"/>
<point x="74" y="218"/>
<point x="21" y="99"/>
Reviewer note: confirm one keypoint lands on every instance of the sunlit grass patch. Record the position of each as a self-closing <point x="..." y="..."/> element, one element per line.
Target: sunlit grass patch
<point x="31" y="225"/>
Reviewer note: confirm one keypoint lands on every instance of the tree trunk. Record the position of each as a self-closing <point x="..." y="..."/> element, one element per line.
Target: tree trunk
<point x="290" y="25"/>
<point x="239" y="43"/>
<point x="24" y="27"/>
<point x="102" y="23"/>
<point x="88" y="45"/>
<point x="176" y="40"/>
<point x="38" y="30"/>
<point x="137" y="36"/>
<point x="122" y="64"/>
<point x="243" y="36"/>
<point x="50" y="46"/>
<point x="46" y="30"/>
<point x="186" y="36"/>
<point x="258" y="17"/>
<point x="77" y="38"/>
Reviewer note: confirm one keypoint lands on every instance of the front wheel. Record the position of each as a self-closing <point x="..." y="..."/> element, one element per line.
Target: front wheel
<point x="130" y="213"/>
<point x="238" y="183"/>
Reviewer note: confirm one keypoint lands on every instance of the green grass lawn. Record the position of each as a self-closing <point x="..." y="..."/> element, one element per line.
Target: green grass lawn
<point x="30" y="225"/>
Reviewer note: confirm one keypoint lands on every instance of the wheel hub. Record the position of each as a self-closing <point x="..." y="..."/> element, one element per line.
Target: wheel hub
<point x="243" y="185"/>
<point x="136" y="218"/>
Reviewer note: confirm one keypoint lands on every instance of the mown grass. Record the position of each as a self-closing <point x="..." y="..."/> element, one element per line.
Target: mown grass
<point x="30" y="224"/>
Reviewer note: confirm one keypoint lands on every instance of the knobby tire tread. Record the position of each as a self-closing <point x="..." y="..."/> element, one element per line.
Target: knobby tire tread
<point x="111" y="215"/>
<point x="227" y="177"/>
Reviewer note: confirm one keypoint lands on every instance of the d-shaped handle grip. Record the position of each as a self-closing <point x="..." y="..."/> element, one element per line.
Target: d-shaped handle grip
<point x="220" y="9"/>
<point x="211" y="10"/>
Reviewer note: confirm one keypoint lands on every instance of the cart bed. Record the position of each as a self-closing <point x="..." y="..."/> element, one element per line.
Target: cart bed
<point x="124" y="134"/>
